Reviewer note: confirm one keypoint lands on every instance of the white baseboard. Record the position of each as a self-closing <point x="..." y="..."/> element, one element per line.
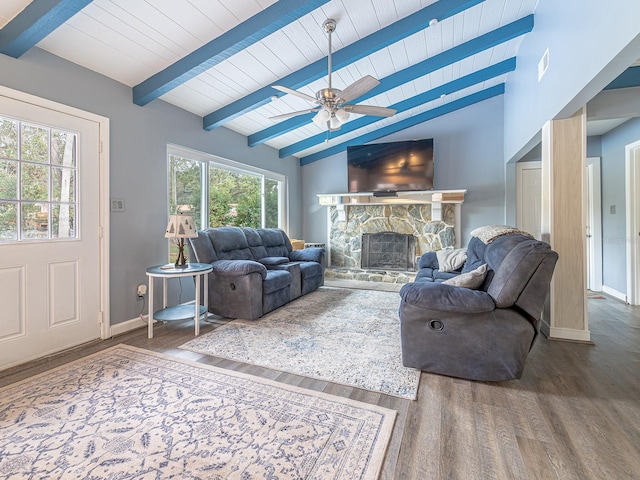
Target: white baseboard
<point x="556" y="333"/>
<point x="127" y="326"/>
<point x="614" y="293"/>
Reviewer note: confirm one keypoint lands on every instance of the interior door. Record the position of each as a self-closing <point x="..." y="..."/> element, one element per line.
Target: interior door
<point x="593" y="209"/>
<point x="50" y="281"/>
<point x="529" y="198"/>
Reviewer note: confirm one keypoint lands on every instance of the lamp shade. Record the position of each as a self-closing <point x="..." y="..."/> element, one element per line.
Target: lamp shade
<point x="181" y="226"/>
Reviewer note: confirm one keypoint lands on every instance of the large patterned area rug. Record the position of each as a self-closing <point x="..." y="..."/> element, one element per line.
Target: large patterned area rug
<point x="346" y="336"/>
<point x="129" y="413"/>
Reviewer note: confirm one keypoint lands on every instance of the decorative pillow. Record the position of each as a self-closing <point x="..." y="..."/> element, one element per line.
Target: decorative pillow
<point x="450" y="260"/>
<point x="472" y="279"/>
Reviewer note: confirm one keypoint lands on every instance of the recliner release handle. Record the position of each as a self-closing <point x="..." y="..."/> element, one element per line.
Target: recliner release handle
<point x="436" y="325"/>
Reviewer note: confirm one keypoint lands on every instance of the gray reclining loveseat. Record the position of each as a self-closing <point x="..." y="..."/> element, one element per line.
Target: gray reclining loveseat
<point x="255" y="270"/>
<point x="484" y="333"/>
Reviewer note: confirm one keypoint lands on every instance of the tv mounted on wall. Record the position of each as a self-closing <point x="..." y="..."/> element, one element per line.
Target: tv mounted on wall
<point x="387" y="168"/>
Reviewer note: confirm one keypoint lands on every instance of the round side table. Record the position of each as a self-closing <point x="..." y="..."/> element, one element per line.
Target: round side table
<point x="179" y="312"/>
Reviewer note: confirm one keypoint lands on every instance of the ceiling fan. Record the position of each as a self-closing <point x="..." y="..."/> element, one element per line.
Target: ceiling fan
<point x="333" y="109"/>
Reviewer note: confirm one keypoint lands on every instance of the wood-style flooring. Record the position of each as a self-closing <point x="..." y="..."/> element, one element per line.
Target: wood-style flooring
<point x="575" y="414"/>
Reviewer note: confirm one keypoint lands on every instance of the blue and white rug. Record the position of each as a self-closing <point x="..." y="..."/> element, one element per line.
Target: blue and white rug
<point x="129" y="413"/>
<point x="345" y="336"/>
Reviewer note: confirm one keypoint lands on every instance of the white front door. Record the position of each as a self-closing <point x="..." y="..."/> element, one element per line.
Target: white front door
<point x="50" y="278"/>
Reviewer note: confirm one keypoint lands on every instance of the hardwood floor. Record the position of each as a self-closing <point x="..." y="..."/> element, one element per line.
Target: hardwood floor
<point x="575" y="414"/>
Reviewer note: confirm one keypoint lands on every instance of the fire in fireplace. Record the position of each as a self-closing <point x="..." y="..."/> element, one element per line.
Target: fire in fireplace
<point x="388" y="251"/>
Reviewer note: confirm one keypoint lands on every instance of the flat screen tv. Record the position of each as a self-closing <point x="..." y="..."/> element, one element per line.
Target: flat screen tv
<point x="386" y="168"/>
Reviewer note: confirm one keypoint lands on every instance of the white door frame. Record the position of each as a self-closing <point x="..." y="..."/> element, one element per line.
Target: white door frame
<point x="632" y="188"/>
<point x="103" y="213"/>
<point x="594" y="210"/>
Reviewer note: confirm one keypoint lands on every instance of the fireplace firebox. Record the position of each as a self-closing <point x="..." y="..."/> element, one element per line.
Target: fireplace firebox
<point x="388" y="251"/>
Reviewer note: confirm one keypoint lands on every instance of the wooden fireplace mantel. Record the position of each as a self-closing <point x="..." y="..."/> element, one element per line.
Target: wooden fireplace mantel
<point x="433" y="197"/>
<point x="400" y="198"/>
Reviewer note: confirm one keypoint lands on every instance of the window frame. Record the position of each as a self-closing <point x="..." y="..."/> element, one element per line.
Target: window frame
<point x="207" y="159"/>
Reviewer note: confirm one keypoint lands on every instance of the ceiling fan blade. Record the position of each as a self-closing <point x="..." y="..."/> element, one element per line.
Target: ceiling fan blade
<point x="291" y="91"/>
<point x="371" y="110"/>
<point x="293" y="114"/>
<point x="359" y="88"/>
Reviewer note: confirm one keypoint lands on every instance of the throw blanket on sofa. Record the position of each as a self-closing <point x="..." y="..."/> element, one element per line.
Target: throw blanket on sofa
<point x="489" y="233"/>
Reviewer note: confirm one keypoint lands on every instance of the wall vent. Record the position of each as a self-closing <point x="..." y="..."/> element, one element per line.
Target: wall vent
<point x="543" y="64"/>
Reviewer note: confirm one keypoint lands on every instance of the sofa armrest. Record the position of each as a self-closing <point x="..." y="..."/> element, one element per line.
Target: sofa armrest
<point x="312" y="254"/>
<point x="446" y="298"/>
<point x="270" y="261"/>
<point x="237" y="268"/>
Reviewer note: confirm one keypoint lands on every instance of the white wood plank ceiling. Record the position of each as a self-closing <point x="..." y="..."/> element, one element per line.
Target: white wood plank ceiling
<point x="132" y="40"/>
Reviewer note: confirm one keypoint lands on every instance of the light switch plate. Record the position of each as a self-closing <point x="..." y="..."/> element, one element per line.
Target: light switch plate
<point x="117" y="204"/>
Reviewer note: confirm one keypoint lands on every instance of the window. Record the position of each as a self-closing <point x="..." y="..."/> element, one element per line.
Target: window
<point x="38" y="172"/>
<point x="219" y="192"/>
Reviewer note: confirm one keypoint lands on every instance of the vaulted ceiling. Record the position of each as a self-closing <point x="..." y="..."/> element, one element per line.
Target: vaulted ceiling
<point x="220" y="58"/>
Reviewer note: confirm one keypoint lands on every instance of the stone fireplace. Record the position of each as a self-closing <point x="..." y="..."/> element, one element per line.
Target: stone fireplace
<point x="347" y="230"/>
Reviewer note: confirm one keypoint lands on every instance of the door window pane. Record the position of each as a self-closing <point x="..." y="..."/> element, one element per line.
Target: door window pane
<point x="8" y="179"/>
<point x="63" y="220"/>
<point x="63" y="148"/>
<point x="63" y="183"/>
<point x="35" y="221"/>
<point x="8" y="138"/>
<point x="34" y="182"/>
<point x="34" y="143"/>
<point x="8" y="222"/>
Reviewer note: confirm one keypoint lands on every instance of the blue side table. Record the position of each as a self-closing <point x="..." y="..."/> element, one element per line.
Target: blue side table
<point x="179" y="312"/>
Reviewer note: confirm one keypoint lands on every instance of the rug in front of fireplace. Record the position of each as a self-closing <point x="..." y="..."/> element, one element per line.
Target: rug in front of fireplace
<point x="345" y="336"/>
<point x="131" y="413"/>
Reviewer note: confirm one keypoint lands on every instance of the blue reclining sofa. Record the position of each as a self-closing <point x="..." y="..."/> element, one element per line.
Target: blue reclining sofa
<point x="255" y="270"/>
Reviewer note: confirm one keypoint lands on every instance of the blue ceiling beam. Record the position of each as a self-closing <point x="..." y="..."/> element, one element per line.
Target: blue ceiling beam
<point x="221" y="48"/>
<point x="365" y="46"/>
<point x="483" y="75"/>
<point x="448" y="57"/>
<point x="404" y="124"/>
<point x="629" y="78"/>
<point x="36" y="21"/>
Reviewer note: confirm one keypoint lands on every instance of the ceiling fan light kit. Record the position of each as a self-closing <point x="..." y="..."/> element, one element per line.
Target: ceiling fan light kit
<point x="333" y="109"/>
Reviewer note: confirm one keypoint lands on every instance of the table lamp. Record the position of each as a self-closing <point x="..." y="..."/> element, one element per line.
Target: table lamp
<point x="181" y="227"/>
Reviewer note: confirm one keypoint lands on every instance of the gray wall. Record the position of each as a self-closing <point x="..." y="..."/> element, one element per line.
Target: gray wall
<point x="138" y="163"/>
<point x="614" y="233"/>
<point x="581" y="63"/>
<point x="468" y="155"/>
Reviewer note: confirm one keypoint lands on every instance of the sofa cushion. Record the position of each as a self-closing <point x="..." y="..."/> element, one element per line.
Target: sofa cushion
<point x="200" y="249"/>
<point x="255" y="243"/>
<point x="230" y="243"/>
<point x="515" y="270"/>
<point x="472" y="279"/>
<point x="275" y="280"/>
<point x="310" y="269"/>
<point x="475" y="255"/>
<point x="274" y="243"/>
<point x="428" y="260"/>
